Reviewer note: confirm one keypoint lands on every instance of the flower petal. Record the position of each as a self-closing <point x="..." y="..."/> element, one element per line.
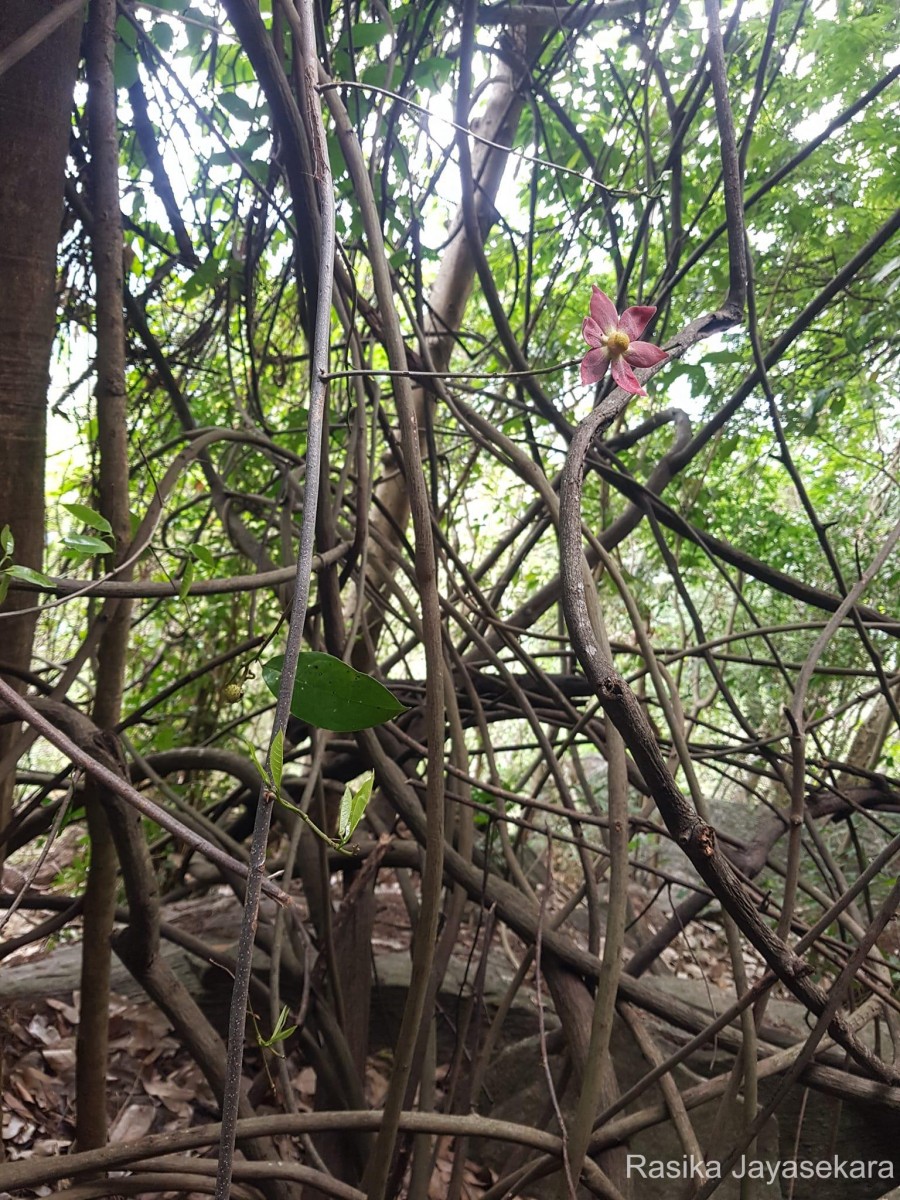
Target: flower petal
<point x="634" y="320"/>
<point x="626" y="378"/>
<point x="604" y="311"/>
<point x="591" y="332"/>
<point x="644" y="354"/>
<point x="594" y="365"/>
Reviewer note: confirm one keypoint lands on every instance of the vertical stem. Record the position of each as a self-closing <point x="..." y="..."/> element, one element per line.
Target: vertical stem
<point x="319" y="365"/>
<point x="106" y="244"/>
<point x="379" y="1169"/>
<point x="611" y="963"/>
<point x="35" y="108"/>
<point x="732" y="183"/>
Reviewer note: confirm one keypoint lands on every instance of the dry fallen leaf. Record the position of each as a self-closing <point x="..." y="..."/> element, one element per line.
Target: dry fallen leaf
<point x="133" y="1122"/>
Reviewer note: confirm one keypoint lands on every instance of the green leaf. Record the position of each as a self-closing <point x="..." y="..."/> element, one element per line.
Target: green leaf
<point x="83" y="543"/>
<point x="368" y="34"/>
<point x="7" y="541"/>
<point x="203" y="555"/>
<point x="353" y="805"/>
<point x="344" y="813"/>
<point x="90" y="517"/>
<point x="276" y="757"/>
<point x="331" y="695"/>
<point x="126" y="32"/>
<point x="187" y="579"/>
<point x="161" y="34"/>
<point x="205" y="276"/>
<point x="434" y="71"/>
<point x="282" y="1029"/>
<point x="164" y="738"/>
<point x="251" y="750"/>
<point x="125" y="66"/>
<point x="4" y="587"/>
<point x="280" y="1033"/>
<point x="29" y="576"/>
<point x="236" y="105"/>
<point x="376" y="74"/>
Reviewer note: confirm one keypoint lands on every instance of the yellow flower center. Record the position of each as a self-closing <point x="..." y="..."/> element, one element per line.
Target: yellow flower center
<point x="617" y="343"/>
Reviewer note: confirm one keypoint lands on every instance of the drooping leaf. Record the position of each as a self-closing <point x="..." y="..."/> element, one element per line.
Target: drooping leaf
<point x="125" y="66"/>
<point x="84" y="543"/>
<point x="187" y="579"/>
<point x="203" y="555"/>
<point x="28" y="575"/>
<point x="331" y="695"/>
<point x="89" y="516"/>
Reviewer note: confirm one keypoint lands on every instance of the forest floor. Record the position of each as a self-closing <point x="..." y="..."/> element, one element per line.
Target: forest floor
<point x="154" y="1086"/>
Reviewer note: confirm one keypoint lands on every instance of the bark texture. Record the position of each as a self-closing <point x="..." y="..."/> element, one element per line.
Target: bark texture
<point x="35" y="107"/>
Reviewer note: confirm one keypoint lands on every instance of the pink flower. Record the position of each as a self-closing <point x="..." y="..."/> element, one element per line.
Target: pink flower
<point x="614" y="342"/>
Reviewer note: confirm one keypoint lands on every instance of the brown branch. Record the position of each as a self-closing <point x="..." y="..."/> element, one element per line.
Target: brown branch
<point x="146" y="136"/>
<point x="299" y="155"/>
<point x="77" y="754"/>
<point x="695" y="837"/>
<point x="36" y="1171"/>
<point x="554" y="16"/>
<point x="731" y="166"/>
<point x="107" y="247"/>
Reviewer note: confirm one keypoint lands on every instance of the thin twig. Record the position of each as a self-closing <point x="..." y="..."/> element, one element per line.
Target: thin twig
<point x="268" y="790"/>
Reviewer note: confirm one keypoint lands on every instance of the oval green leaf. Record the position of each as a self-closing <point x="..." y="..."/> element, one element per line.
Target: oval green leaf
<point x="89" y="517"/>
<point x="202" y="555"/>
<point x="27" y="575"/>
<point x="331" y="695"/>
<point x="83" y="543"/>
<point x="187" y="579"/>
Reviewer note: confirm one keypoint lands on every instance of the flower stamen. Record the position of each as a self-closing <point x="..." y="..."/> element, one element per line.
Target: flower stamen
<point x="617" y="343"/>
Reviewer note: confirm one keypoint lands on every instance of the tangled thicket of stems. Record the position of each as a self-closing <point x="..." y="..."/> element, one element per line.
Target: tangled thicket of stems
<point x="614" y="621"/>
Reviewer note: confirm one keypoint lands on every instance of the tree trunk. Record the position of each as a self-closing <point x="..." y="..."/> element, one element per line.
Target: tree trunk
<point x="35" y="107"/>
